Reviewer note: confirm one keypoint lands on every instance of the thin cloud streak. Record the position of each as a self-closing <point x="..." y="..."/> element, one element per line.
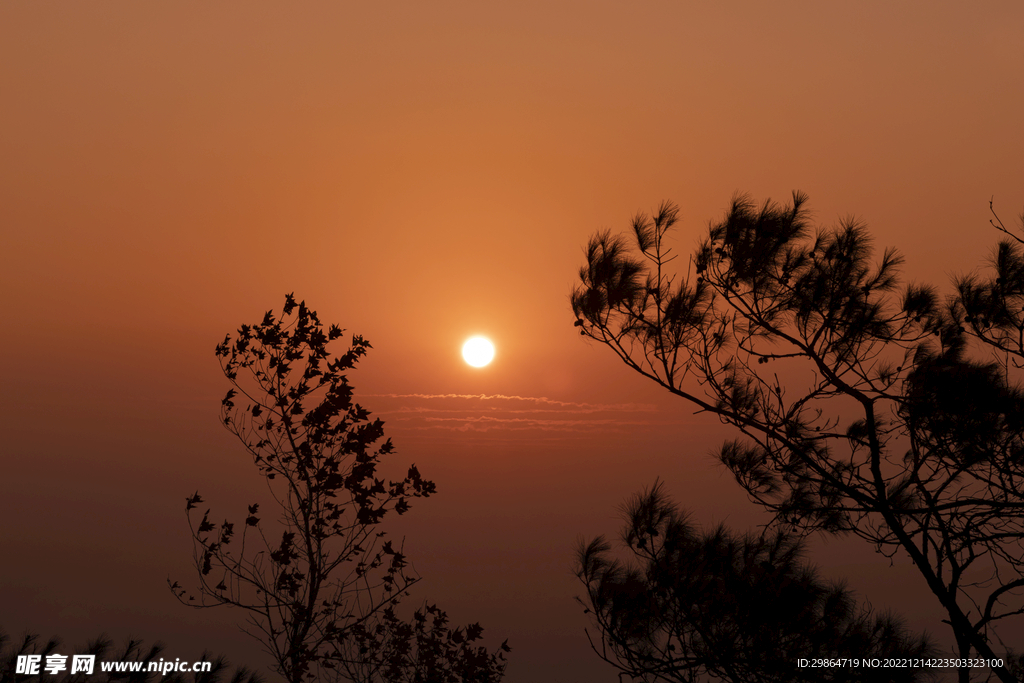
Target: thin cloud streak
<point x="534" y="411"/>
<point x="485" y="423"/>
<point x="506" y="413"/>
<point x="488" y="418"/>
<point x="534" y="399"/>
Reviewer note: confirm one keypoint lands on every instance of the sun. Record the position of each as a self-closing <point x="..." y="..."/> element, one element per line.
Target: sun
<point x="478" y="351"/>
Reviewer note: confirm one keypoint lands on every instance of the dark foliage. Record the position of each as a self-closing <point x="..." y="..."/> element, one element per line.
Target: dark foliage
<point x="693" y="606"/>
<point x="864" y="407"/>
<point x="425" y="650"/>
<point x="992" y="307"/>
<point x="318" y="572"/>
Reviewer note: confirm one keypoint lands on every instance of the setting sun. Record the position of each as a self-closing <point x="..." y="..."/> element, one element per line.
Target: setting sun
<point x="478" y="351"/>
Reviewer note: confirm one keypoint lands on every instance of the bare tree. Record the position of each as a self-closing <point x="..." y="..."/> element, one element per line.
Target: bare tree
<point x="863" y="406"/>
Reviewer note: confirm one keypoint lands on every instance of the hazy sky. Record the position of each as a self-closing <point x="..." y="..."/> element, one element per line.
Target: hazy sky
<point x="418" y="173"/>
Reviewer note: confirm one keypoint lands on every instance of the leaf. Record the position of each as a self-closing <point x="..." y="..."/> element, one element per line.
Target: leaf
<point x="205" y="526"/>
<point x="207" y="562"/>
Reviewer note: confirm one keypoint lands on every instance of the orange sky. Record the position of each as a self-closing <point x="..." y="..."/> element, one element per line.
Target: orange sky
<point x="418" y="173"/>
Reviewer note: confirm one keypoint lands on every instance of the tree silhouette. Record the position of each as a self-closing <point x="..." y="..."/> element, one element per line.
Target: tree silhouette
<point x="993" y="308"/>
<point x="694" y="606"/>
<point x="425" y="650"/>
<point x="314" y="583"/>
<point x="864" y="407"/>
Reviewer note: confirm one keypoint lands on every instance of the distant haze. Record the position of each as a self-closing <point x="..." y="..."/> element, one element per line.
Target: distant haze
<point x="420" y="173"/>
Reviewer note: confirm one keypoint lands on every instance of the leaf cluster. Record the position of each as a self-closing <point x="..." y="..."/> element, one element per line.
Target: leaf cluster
<point x="694" y="606"/>
<point x="863" y="405"/>
<point x="427" y="648"/>
<point x="318" y="569"/>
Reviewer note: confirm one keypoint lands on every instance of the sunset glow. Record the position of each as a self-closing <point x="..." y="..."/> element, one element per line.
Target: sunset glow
<point x="431" y="179"/>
